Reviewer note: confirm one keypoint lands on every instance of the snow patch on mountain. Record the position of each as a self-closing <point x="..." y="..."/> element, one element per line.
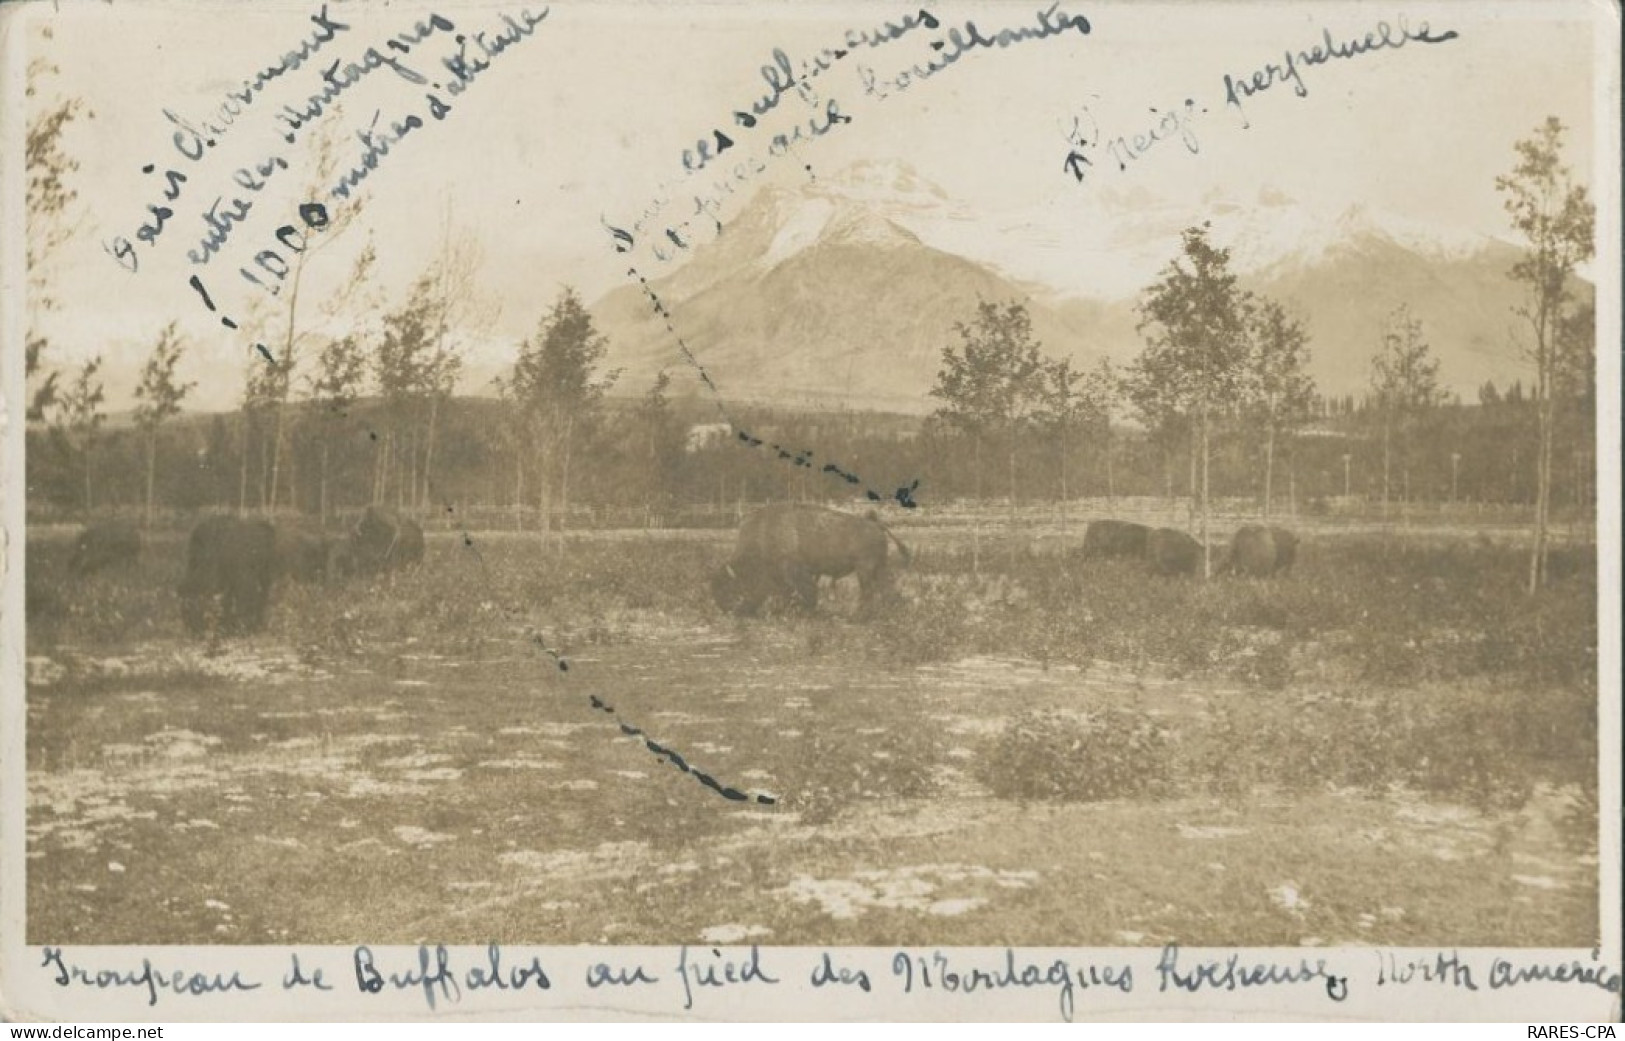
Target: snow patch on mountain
<point x="801" y="228"/>
<point x="1107" y="245"/>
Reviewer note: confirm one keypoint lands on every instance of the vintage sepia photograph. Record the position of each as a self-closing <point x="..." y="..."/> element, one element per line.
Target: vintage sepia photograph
<point x="971" y="475"/>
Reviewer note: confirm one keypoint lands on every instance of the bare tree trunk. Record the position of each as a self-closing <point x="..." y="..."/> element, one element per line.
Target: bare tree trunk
<point x="1111" y="485"/>
<point x="287" y="363"/>
<point x="547" y="502"/>
<point x="1063" y="485"/>
<point x="379" y="459"/>
<point x="1269" y="467"/>
<point x="276" y="454"/>
<point x="406" y="488"/>
<point x="519" y="489"/>
<point x="1207" y="551"/>
<point x="293" y="464"/>
<point x="242" y="484"/>
<point x="389" y="464"/>
<point x="1543" y="481"/>
<point x="564" y="480"/>
<point x="1405" y="498"/>
<point x="1387" y="439"/>
<point x="265" y="479"/>
<point x="1012" y="549"/>
<point x="428" y="449"/>
<point x="976" y="515"/>
<point x="152" y="465"/>
<point x="1190" y="513"/>
<point x="322" y="499"/>
<point x="377" y="468"/>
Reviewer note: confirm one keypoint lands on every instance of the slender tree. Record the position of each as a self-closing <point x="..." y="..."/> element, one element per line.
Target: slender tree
<point x="461" y="314"/>
<point x="1404" y="389"/>
<point x="1557" y="218"/>
<point x="993" y="382"/>
<point x="287" y="321"/>
<point x="1063" y="413"/>
<point x="404" y="368"/>
<point x="1103" y="389"/>
<point x="81" y="415"/>
<point x="1156" y="399"/>
<point x="341" y="367"/>
<point x="1279" y="390"/>
<point x="159" y="395"/>
<point x="1076" y="408"/>
<point x="50" y="195"/>
<point x="557" y="388"/>
<point x="659" y="440"/>
<point x="515" y="434"/>
<point x="1195" y="320"/>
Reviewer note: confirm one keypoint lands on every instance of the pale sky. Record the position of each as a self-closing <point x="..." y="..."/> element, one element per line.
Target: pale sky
<point x="591" y="114"/>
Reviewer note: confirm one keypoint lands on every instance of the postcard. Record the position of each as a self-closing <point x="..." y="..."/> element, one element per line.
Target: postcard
<point x="1046" y="511"/>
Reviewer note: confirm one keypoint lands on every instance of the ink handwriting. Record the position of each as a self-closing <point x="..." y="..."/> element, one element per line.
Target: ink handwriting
<point x="442" y="977"/>
<point x="1232" y="974"/>
<point x="1127" y="149"/>
<point x="718" y="972"/>
<point x="1289" y="70"/>
<point x="943" y="973"/>
<point x="149" y="978"/>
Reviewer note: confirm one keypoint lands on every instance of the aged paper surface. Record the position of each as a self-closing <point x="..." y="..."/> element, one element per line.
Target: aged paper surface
<point x="838" y="511"/>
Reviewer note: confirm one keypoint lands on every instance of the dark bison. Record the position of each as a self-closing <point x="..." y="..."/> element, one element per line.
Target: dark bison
<point x="103" y="545"/>
<point x="234" y="560"/>
<point x="383" y="542"/>
<point x="1171" y="552"/>
<point x="301" y="554"/>
<point x="1260" y="552"/>
<point x="784" y="550"/>
<point x="1106" y="539"/>
<point x="340" y="561"/>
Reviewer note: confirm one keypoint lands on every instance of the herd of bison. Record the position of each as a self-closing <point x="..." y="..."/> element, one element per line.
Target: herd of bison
<point x="781" y="553"/>
<point x="233" y="564"/>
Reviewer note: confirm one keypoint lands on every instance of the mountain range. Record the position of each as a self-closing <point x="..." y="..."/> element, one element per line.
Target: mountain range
<point x="843" y="292"/>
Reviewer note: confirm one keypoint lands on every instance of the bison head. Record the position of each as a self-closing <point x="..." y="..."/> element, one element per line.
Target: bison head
<point x="728" y="589"/>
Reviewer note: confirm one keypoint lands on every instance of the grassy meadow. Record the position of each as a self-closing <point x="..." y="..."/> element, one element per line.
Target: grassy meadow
<point x="1392" y="744"/>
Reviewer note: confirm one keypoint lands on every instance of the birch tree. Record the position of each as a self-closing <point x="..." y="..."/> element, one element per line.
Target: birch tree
<point x="49" y="196"/>
<point x="1077" y="409"/>
<point x="403" y="366"/>
<point x="993" y="383"/>
<point x="1404" y="387"/>
<point x="81" y="415"/>
<point x="286" y="319"/>
<point x="159" y="395"/>
<point x="1195" y="320"/>
<point x="1557" y="218"/>
<point x="1279" y="389"/>
<point x="341" y="368"/>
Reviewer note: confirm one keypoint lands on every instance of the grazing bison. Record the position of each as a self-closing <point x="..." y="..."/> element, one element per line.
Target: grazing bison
<point x="1260" y="552"/>
<point x="103" y="545"/>
<point x="301" y="554"/>
<point x="1107" y="539"/>
<point x="340" y="561"/>
<point x="383" y="542"/>
<point x="234" y="560"/>
<point x="783" y="550"/>
<point x="1171" y="552"/>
